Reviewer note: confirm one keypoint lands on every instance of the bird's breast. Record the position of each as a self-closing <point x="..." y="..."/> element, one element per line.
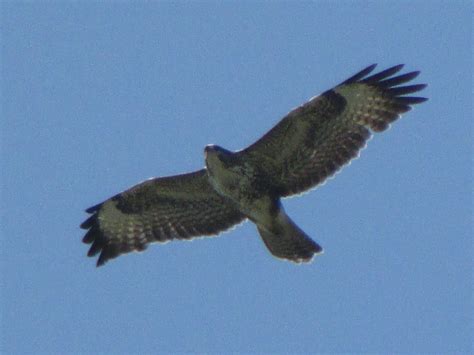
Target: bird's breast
<point x="239" y="182"/>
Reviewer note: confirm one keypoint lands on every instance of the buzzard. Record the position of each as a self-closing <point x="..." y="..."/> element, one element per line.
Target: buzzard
<point x="307" y="146"/>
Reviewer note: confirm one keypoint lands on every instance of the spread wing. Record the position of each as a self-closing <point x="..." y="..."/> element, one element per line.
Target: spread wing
<point x="157" y="210"/>
<point x="316" y="139"/>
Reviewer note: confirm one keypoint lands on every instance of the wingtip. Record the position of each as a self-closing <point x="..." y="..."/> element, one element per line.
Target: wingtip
<point x="100" y="262"/>
<point x="90" y="236"/>
<point x="371" y="67"/>
<point x="366" y="71"/>
<point x="398" y="67"/>
<point x="94" y="249"/>
<point x="414" y="100"/>
<point x="94" y="208"/>
<point x="359" y="75"/>
<point x="413" y="74"/>
<point x="89" y="222"/>
<point x="421" y="86"/>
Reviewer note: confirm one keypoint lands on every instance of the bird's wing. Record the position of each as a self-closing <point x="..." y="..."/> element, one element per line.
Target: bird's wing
<point x="157" y="210"/>
<point x="316" y="139"/>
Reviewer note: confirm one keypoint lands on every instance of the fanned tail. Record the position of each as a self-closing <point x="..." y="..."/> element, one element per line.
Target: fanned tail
<point x="285" y="240"/>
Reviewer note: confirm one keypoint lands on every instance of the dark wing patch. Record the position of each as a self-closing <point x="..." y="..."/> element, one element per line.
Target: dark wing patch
<point x="157" y="210"/>
<point x="316" y="139"/>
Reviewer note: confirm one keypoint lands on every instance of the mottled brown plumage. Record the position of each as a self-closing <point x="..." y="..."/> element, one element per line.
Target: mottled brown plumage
<point x="307" y="146"/>
<point x="157" y="210"/>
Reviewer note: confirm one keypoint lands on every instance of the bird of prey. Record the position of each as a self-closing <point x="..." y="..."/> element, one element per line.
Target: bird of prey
<point x="307" y="146"/>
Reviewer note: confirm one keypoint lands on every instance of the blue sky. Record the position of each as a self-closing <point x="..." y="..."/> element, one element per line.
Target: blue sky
<point x="98" y="96"/>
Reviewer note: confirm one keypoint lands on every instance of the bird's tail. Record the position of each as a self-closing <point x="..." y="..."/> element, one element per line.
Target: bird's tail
<point x="286" y="240"/>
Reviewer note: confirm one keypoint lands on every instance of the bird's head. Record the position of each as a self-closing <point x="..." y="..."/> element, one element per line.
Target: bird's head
<point x="216" y="156"/>
<point x="212" y="149"/>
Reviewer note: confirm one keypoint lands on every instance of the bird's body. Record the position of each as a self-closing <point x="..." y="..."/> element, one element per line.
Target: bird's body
<point x="238" y="180"/>
<point x="307" y="146"/>
<point x="246" y="184"/>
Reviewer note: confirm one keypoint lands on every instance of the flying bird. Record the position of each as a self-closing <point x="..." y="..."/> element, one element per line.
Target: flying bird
<point x="307" y="146"/>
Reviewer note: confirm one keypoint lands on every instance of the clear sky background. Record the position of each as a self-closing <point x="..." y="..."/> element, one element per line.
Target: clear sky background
<point x="98" y="96"/>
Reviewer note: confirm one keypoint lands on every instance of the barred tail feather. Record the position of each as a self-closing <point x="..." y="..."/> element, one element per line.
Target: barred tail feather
<point x="285" y="240"/>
